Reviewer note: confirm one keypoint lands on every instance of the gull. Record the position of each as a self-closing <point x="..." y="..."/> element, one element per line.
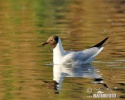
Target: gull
<point x="60" y="56"/>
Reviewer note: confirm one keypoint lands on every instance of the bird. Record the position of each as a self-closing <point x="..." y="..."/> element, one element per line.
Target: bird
<point x="60" y="56"/>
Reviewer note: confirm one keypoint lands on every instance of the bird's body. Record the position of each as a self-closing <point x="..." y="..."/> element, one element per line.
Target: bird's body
<point x="81" y="57"/>
<point x="60" y="56"/>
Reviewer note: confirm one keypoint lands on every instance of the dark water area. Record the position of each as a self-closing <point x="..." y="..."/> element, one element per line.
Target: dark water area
<point x="26" y="71"/>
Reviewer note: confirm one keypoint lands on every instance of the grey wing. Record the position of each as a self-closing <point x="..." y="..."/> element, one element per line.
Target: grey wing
<point x="89" y="54"/>
<point x="86" y="55"/>
<point x="69" y="57"/>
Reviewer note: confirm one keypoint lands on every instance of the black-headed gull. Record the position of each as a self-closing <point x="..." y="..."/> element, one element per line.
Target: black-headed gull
<point x="60" y="56"/>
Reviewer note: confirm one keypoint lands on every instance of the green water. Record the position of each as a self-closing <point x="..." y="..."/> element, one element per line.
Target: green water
<point x="25" y="25"/>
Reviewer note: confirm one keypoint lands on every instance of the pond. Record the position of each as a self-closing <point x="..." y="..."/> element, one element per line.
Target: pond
<point x="26" y="69"/>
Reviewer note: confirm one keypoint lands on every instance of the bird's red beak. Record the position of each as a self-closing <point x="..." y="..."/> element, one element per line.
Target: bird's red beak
<point x="44" y="43"/>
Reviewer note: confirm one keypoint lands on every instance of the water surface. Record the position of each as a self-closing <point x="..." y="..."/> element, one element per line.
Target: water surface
<point x="25" y="25"/>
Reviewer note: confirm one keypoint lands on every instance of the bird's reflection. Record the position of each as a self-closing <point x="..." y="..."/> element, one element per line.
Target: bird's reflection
<point x="85" y="71"/>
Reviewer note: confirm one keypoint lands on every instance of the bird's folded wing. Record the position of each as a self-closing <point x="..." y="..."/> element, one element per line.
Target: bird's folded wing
<point x="86" y="55"/>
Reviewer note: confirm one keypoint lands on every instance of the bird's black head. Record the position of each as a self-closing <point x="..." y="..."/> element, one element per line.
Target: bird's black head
<point x="53" y="40"/>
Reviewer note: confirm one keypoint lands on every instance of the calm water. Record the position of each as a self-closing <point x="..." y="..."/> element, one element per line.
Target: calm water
<point x="26" y="72"/>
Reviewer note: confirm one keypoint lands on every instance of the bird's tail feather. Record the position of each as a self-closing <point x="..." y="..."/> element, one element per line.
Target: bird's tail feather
<point x="100" y="43"/>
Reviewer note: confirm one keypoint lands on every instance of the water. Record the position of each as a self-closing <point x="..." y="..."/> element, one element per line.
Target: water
<point x="25" y="69"/>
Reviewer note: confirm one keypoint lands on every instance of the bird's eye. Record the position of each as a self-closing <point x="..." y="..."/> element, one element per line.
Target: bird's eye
<point x="51" y="40"/>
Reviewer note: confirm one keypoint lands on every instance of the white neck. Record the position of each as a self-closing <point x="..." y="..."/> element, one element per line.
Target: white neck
<point x="58" y="53"/>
